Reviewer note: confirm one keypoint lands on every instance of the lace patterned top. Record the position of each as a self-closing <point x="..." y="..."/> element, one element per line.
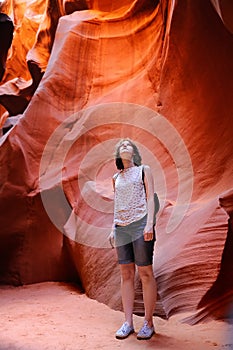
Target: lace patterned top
<point x="130" y="200"/>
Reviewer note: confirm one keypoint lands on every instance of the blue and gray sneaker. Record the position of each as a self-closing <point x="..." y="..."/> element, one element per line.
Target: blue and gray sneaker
<point x="124" y="331"/>
<point x="145" y="332"/>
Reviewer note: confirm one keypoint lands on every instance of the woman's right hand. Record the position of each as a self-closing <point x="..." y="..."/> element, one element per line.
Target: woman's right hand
<point x="111" y="239"/>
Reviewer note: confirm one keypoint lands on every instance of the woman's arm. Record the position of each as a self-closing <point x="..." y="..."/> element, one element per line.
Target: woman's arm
<point x="149" y="186"/>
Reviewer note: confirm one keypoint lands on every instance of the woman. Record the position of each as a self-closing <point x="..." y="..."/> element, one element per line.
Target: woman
<point x="133" y="234"/>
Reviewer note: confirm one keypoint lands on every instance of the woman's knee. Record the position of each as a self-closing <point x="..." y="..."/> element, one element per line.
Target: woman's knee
<point x="145" y="273"/>
<point x="127" y="272"/>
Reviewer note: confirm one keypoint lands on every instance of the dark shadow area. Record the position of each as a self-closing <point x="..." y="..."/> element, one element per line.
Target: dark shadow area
<point x="6" y="36"/>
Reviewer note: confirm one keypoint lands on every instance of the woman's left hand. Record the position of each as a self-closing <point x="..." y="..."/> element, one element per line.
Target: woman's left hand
<point x="148" y="233"/>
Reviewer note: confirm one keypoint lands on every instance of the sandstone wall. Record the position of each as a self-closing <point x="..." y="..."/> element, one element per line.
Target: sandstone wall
<point x="161" y="74"/>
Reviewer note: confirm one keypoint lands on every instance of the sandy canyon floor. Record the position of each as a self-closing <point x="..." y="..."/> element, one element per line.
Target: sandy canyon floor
<point x="56" y="316"/>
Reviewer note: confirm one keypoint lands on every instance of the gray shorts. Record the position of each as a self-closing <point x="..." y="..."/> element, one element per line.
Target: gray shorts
<point x="130" y="244"/>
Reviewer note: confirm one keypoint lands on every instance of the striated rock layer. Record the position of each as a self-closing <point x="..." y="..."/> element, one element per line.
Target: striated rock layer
<point x="159" y="73"/>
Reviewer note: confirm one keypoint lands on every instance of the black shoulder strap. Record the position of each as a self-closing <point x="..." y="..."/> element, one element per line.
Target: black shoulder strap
<point x="143" y="175"/>
<point x="143" y="178"/>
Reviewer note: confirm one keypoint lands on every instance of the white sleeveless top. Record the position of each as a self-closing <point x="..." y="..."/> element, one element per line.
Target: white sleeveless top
<point x="130" y="200"/>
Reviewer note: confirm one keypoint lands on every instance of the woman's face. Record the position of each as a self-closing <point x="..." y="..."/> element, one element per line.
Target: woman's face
<point x="126" y="150"/>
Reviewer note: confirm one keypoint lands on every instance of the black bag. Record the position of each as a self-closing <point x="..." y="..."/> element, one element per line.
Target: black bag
<point x="156" y="199"/>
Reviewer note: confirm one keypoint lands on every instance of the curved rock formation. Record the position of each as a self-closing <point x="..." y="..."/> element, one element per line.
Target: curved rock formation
<point x="160" y="73"/>
<point x="16" y="94"/>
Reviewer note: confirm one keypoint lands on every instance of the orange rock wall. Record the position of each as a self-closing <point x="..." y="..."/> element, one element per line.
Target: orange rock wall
<point x="159" y="73"/>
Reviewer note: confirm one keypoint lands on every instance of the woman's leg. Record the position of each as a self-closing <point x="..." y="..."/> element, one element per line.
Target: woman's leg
<point x="127" y="290"/>
<point x="149" y="290"/>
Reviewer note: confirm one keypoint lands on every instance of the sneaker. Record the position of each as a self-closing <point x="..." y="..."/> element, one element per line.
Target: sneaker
<point x="124" y="331"/>
<point x="145" y="332"/>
